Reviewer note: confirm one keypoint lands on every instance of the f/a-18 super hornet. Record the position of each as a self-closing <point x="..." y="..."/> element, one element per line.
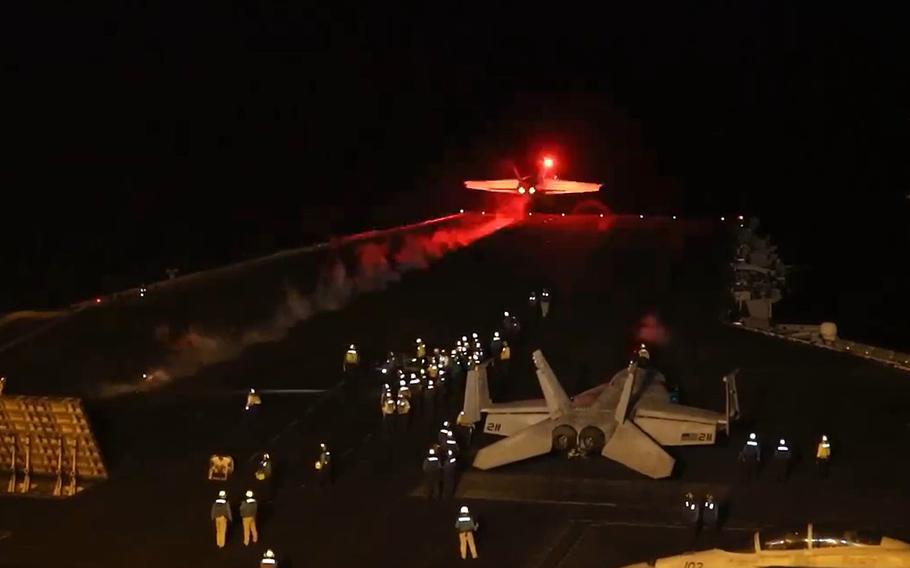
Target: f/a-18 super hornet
<point x="832" y="549"/>
<point x="627" y="419"/>
<point x="543" y="182"/>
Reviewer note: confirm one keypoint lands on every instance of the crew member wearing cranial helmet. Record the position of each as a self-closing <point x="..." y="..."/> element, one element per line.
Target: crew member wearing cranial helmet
<point x="466" y="525"/>
<point x="248" y="509"/>
<point x="221" y="514"/>
<point x="351" y="359"/>
<point x="323" y="465"/>
<point x="268" y="559"/>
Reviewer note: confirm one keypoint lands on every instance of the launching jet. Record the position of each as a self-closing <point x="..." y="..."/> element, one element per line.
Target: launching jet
<point x="832" y="549"/>
<point x="542" y="183"/>
<point x="627" y="419"/>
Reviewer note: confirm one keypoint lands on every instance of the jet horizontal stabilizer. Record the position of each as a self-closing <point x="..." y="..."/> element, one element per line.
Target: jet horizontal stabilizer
<point x="636" y="450"/>
<point x="535" y="440"/>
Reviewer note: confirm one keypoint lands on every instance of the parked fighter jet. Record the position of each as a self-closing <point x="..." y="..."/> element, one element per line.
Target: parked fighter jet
<point x="627" y="419"/>
<point x="544" y="182"/>
<point x="832" y="549"/>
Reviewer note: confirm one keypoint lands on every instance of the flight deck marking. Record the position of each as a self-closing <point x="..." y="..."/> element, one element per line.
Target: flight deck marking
<point x="567" y="540"/>
<point x="285" y="391"/>
<point x="646" y="525"/>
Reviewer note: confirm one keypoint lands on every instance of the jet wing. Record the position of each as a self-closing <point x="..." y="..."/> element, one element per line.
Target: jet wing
<point x="564" y="186"/>
<point x="670" y="411"/>
<point x="495" y="185"/>
<point x="535" y="440"/>
<point x="588" y="397"/>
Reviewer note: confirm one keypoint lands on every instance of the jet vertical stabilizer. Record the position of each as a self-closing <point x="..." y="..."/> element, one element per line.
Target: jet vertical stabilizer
<point x="732" y="400"/>
<point x="622" y="409"/>
<point x="558" y="403"/>
<point x="476" y="392"/>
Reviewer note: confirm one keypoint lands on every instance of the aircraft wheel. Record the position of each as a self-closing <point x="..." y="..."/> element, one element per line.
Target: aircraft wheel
<point x="564" y="438"/>
<point x="591" y="440"/>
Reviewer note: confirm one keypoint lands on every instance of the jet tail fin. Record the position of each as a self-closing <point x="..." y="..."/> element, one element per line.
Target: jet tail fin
<point x="476" y="392"/>
<point x="558" y="402"/>
<point x="623" y="407"/>
<point x="731" y="400"/>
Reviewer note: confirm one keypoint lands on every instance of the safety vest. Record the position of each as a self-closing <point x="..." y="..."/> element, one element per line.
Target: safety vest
<point x="248" y="508"/>
<point x="220" y="508"/>
<point x="388" y="407"/>
<point x="505" y="354"/>
<point x="465" y="523"/>
<point x="403" y="406"/>
<point x="824" y="451"/>
<point x="421" y="350"/>
<point x="432" y="371"/>
<point x="351" y="357"/>
<point x="253" y="399"/>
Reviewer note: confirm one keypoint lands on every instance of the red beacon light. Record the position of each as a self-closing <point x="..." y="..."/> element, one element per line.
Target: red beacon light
<point x="97" y="300"/>
<point x="548" y="162"/>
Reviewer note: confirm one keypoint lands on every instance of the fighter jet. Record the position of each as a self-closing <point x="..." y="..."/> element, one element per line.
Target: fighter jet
<point x="627" y="419"/>
<point x="832" y="549"/>
<point x="544" y="182"/>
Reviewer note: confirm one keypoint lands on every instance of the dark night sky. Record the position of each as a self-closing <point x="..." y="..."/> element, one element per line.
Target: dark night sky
<point x="142" y="137"/>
